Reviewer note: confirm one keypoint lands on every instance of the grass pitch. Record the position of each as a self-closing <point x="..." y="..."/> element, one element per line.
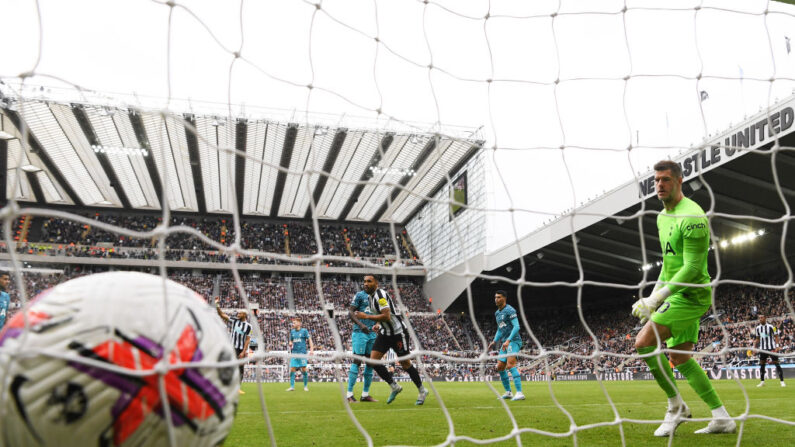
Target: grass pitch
<point x="319" y="417"/>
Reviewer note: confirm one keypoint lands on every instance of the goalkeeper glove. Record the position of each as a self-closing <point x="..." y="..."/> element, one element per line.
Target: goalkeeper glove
<point x="644" y="307"/>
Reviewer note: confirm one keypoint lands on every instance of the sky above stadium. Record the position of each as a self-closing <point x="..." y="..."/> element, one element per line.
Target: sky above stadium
<point x="624" y="78"/>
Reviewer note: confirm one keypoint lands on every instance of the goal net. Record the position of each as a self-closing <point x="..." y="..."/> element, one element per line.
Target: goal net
<point x="557" y="110"/>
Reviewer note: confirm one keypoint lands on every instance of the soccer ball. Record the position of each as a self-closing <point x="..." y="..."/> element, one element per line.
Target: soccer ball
<point x="88" y="370"/>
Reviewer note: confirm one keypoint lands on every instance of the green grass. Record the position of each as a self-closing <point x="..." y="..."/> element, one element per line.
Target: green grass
<point x="319" y="418"/>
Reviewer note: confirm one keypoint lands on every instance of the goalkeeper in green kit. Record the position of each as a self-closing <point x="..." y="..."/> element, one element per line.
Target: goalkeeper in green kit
<point x="675" y="310"/>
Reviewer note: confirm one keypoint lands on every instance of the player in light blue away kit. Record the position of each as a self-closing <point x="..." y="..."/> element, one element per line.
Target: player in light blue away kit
<point x="364" y="334"/>
<point x="298" y="340"/>
<point x="510" y="342"/>
<point x="5" y="300"/>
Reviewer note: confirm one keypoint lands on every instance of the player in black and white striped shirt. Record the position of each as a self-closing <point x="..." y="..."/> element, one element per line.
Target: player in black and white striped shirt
<point x="767" y="340"/>
<point x="240" y="334"/>
<point x="391" y="335"/>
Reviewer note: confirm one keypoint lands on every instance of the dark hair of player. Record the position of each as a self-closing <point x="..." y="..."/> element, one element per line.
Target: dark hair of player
<point x="502" y="292"/>
<point x="665" y="165"/>
<point x="374" y="276"/>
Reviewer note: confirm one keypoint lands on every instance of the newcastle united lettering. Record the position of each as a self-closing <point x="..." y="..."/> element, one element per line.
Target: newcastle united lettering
<point x="752" y="136"/>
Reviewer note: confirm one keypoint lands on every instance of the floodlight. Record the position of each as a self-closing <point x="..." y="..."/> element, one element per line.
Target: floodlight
<point x="131" y="151"/>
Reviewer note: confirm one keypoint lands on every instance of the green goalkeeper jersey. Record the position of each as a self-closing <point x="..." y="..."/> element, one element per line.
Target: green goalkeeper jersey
<point x="684" y="239"/>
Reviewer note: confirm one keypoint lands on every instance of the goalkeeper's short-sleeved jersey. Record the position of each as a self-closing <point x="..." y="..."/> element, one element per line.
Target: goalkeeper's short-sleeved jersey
<point x="684" y="241"/>
<point x="361" y="302"/>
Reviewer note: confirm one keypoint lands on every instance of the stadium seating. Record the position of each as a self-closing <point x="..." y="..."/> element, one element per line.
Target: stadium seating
<point x="77" y="239"/>
<point x="454" y="334"/>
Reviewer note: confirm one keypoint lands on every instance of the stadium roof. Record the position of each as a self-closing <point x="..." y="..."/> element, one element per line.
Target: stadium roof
<point x="751" y="222"/>
<point x="88" y="154"/>
<point x="610" y="250"/>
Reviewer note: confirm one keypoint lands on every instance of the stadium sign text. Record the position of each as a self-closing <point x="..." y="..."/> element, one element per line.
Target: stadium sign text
<point x="746" y="372"/>
<point x="718" y="153"/>
<point x="749" y="373"/>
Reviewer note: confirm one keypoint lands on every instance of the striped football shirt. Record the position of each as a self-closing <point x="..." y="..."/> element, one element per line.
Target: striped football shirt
<point x="381" y="300"/>
<point x="239" y="331"/>
<point x="766" y="335"/>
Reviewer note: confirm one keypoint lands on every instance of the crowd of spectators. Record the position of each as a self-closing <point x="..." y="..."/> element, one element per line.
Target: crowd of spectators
<point x="726" y="336"/>
<point x="33" y="283"/>
<point x="340" y="293"/>
<point x="615" y="330"/>
<point x="275" y="327"/>
<point x="203" y="284"/>
<point x="73" y="238"/>
<point x="463" y="331"/>
<point x="38" y="281"/>
<point x="152" y="254"/>
<point x="266" y="294"/>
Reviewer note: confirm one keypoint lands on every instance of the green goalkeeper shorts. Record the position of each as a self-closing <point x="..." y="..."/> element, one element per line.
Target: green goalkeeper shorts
<point x="682" y="316"/>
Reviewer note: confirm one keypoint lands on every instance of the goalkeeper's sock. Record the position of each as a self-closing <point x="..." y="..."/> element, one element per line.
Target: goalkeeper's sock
<point x="517" y="379"/>
<point x="415" y="376"/>
<point x="675" y="402"/>
<point x="700" y="383"/>
<point x="292" y="379"/>
<point x="384" y="373"/>
<point x="661" y="370"/>
<point x="353" y="373"/>
<point x="505" y="382"/>
<point x="368" y="379"/>
<point x="306" y="378"/>
<point x="720" y="413"/>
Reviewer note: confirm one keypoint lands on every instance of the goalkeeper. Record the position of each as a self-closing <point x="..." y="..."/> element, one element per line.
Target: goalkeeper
<point x="674" y="310"/>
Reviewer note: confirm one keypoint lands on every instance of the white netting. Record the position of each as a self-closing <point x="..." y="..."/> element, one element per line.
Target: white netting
<point x="579" y="78"/>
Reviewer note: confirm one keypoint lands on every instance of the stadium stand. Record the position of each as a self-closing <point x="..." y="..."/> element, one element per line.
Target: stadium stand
<point x="290" y="238"/>
<point x="454" y="334"/>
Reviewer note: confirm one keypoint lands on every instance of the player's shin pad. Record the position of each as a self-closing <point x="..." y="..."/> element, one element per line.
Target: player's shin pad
<point x="661" y="370"/>
<point x="415" y="376"/>
<point x="383" y="373"/>
<point x="506" y="383"/>
<point x="700" y="383"/>
<point x="517" y="379"/>
<point x="353" y="374"/>
<point x="368" y="378"/>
